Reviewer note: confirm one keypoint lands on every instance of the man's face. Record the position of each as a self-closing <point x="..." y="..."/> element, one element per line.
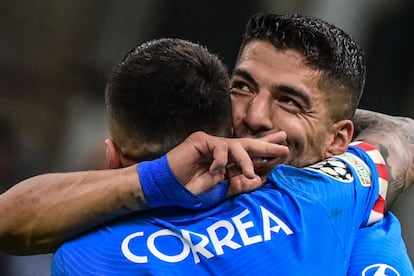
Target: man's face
<point x="273" y="90"/>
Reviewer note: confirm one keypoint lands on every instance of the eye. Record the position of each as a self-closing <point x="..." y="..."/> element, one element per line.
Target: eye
<point x="290" y="103"/>
<point x="239" y="87"/>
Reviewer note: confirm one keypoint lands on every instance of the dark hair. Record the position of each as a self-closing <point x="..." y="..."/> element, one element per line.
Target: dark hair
<point x="324" y="47"/>
<point x="164" y="90"/>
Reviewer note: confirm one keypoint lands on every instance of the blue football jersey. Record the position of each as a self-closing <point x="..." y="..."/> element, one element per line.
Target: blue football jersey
<point x="303" y="222"/>
<point x="380" y="250"/>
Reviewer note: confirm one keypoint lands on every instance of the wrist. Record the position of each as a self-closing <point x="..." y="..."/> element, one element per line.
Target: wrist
<point x="160" y="187"/>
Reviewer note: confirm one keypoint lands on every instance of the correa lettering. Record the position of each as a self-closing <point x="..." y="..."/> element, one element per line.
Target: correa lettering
<point x="210" y="244"/>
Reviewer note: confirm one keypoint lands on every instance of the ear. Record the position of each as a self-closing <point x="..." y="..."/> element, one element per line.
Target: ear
<point x="113" y="154"/>
<point x="342" y="135"/>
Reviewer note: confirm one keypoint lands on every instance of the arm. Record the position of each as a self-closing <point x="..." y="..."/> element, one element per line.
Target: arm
<point x="394" y="138"/>
<point x="41" y="212"/>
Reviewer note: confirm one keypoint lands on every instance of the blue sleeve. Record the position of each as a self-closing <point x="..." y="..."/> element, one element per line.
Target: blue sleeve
<point x="58" y="264"/>
<point x="346" y="186"/>
<point x="336" y="184"/>
<point x="380" y="250"/>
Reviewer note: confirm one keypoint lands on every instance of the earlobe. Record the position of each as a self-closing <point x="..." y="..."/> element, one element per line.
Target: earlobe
<point x="113" y="155"/>
<point x="342" y="131"/>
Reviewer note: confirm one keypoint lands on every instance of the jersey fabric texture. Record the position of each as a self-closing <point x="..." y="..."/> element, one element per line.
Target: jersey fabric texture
<point x="380" y="250"/>
<point x="303" y="222"/>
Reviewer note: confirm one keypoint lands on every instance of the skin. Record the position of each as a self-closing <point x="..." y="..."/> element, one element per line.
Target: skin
<point x="46" y="210"/>
<point x="213" y="159"/>
<point x="396" y="147"/>
<point x="263" y="101"/>
<point x="274" y="90"/>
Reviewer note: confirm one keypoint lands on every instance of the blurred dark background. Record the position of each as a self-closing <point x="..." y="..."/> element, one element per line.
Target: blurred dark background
<point x="55" y="56"/>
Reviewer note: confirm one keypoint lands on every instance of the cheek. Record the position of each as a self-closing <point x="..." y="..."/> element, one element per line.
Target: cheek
<point x="238" y="109"/>
<point x="314" y="145"/>
<point x="299" y="135"/>
<point x="287" y="122"/>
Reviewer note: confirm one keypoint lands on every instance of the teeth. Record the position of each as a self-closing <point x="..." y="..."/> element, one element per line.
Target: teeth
<point x="259" y="159"/>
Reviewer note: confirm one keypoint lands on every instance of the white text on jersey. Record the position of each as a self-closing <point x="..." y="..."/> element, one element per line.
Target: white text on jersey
<point x="237" y="224"/>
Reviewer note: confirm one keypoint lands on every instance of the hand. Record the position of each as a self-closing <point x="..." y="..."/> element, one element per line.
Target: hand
<point x="201" y="160"/>
<point x="239" y="182"/>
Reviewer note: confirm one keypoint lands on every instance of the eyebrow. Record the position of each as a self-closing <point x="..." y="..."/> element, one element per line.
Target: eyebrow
<point x="244" y="74"/>
<point x="294" y="92"/>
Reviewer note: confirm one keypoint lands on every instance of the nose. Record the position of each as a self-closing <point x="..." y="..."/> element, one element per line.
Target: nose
<point x="258" y="117"/>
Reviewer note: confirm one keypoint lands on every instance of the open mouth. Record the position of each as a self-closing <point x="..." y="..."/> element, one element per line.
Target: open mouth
<point x="263" y="165"/>
<point x="260" y="160"/>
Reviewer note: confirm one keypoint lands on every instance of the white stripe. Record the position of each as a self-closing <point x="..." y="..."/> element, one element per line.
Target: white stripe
<point x="374" y="216"/>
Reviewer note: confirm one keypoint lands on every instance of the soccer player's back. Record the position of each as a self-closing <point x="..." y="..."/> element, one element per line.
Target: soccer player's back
<point x="287" y="227"/>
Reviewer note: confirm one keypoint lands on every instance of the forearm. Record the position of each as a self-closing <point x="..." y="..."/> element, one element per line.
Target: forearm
<point x="43" y="211"/>
<point x="394" y="138"/>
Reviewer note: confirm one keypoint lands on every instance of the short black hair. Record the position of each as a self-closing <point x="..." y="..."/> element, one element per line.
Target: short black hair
<point x="324" y="46"/>
<point x="164" y="90"/>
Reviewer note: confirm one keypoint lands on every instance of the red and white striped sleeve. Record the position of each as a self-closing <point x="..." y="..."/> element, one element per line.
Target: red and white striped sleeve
<point x="377" y="212"/>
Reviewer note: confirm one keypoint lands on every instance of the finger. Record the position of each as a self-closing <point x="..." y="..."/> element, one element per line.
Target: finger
<point x="242" y="159"/>
<point x="219" y="149"/>
<point x="241" y="184"/>
<point x="203" y="182"/>
<point x="263" y="148"/>
<point x="275" y="137"/>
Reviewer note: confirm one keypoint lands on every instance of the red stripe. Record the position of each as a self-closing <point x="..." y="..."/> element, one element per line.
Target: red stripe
<point x="382" y="171"/>
<point x="379" y="205"/>
<point x="366" y="146"/>
<point x="381" y="168"/>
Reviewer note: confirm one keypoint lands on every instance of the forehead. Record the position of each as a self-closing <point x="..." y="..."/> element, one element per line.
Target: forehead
<point x="268" y="65"/>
